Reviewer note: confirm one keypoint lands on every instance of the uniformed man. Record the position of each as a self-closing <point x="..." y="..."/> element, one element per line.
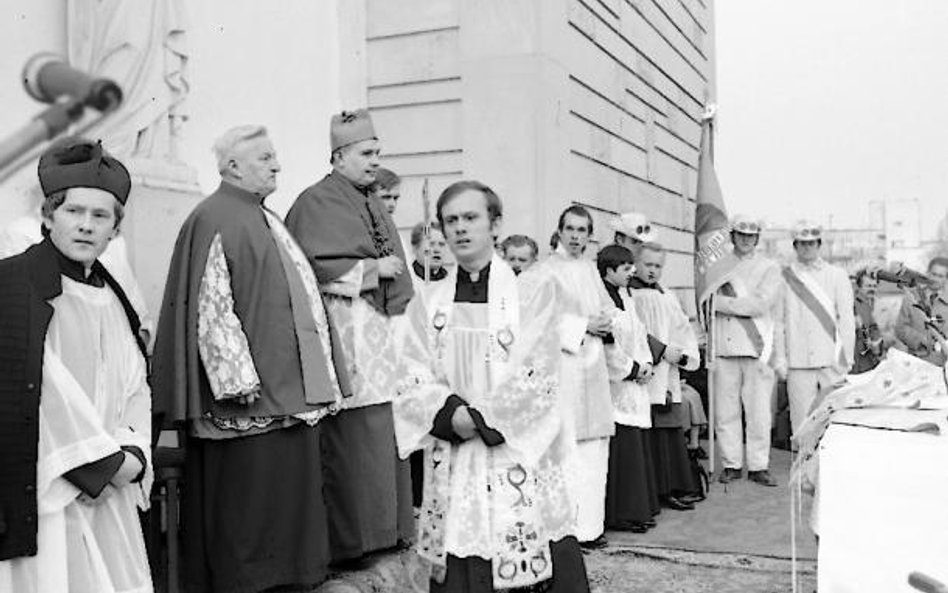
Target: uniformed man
<point x="743" y="337"/>
<point x="815" y="327"/>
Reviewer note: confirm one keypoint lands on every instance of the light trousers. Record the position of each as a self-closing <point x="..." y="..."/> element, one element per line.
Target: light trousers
<point x="803" y="385"/>
<point x="746" y="383"/>
<point x="587" y="482"/>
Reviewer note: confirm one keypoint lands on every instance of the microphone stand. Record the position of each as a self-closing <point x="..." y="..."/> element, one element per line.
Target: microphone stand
<point x="26" y="144"/>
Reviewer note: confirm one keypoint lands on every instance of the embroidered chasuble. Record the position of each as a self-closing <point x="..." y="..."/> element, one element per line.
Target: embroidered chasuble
<point x="484" y="341"/>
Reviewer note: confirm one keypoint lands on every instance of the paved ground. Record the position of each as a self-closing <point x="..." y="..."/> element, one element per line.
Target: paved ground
<point x="621" y="570"/>
<point x="741" y="517"/>
<point x="736" y="541"/>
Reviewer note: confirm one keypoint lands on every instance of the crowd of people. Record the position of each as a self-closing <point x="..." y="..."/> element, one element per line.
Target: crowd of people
<point x="499" y="413"/>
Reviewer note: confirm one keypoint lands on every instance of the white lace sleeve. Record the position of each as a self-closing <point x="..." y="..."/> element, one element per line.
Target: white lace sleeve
<point x="222" y="343"/>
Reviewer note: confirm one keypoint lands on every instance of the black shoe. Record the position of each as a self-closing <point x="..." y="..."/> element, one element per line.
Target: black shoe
<point x="676" y="504"/>
<point x="691" y="498"/>
<point x="631" y="526"/>
<point x="650" y="523"/>
<point x="762" y="477"/>
<point x="351" y="564"/>
<point x="596" y="544"/>
<point x="729" y="474"/>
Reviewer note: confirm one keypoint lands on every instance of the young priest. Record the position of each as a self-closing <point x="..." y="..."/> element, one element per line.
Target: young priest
<point x="478" y="396"/>
<point x="75" y="410"/>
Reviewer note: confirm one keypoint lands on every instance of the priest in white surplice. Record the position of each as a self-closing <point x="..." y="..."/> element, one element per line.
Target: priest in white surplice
<point x="588" y="314"/>
<point x="75" y="416"/>
<point x="478" y="395"/>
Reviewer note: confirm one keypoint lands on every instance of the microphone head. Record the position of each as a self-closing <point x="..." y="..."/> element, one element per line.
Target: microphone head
<point x="47" y="77"/>
<point x="104" y="95"/>
<point x="31" y="75"/>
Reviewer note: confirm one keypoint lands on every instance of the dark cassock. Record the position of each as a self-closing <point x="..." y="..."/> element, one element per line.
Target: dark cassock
<point x="631" y="494"/>
<point x="343" y="231"/>
<point x="242" y="315"/>
<point x="667" y="325"/>
<point x="496" y="513"/>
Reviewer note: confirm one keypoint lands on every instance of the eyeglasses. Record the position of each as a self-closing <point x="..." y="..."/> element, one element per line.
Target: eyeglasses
<point x="750" y="228"/>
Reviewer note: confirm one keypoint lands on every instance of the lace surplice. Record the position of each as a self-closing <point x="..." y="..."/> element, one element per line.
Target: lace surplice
<point x="504" y="503"/>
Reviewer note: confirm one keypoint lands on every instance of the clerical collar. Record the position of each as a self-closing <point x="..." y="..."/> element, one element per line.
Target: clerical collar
<point x="71" y="268"/>
<point x="433" y="275"/>
<point x="239" y="192"/>
<point x="362" y="190"/>
<point x="613" y="291"/>
<point x="637" y="283"/>
<point x="469" y="290"/>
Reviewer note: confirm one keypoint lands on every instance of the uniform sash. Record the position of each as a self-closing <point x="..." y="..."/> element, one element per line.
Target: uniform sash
<point x="811" y="294"/>
<point x="759" y="330"/>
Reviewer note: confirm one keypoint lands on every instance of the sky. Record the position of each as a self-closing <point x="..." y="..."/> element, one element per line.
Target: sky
<point x="825" y="106"/>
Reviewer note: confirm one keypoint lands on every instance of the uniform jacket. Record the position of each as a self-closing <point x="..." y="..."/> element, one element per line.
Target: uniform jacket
<point x="801" y="342"/>
<point x="745" y="307"/>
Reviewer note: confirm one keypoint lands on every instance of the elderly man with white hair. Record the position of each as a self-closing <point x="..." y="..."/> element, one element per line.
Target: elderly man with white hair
<point x="745" y="304"/>
<point x="247" y="362"/>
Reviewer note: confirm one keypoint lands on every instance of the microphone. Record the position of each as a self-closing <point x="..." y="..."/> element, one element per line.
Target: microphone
<point x="923" y="582"/>
<point x="47" y="77"/>
<point x="902" y="275"/>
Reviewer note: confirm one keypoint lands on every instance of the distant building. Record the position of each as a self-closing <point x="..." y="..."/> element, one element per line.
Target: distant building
<point x="893" y="234"/>
<point x="849" y="248"/>
<point x="903" y="230"/>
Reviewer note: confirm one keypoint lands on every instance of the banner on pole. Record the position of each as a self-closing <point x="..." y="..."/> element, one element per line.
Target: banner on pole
<point x="711" y="223"/>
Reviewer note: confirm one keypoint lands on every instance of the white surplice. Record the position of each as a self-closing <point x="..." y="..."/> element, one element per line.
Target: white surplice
<point x="629" y="398"/>
<point x="94" y="400"/>
<point x="663" y="317"/>
<point x="501" y="358"/>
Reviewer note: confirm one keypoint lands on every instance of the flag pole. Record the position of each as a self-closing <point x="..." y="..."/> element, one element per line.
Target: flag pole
<point x="711" y="355"/>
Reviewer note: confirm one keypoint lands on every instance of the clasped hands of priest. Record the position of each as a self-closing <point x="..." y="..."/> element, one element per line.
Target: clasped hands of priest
<point x="463" y="423"/>
<point x="130" y="469"/>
